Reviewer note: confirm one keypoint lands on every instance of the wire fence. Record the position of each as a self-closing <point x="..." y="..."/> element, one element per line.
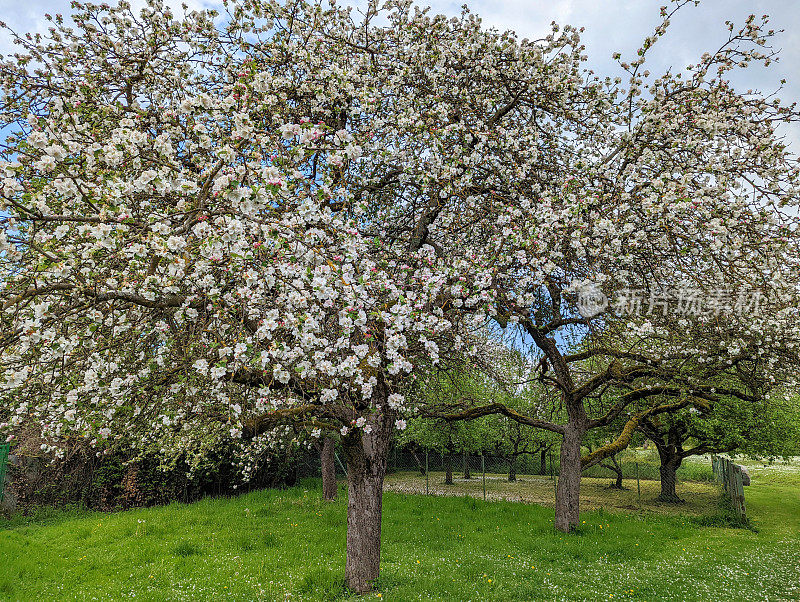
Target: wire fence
<point x="466" y="464"/>
<point x="432" y="472"/>
<point x="632" y="481"/>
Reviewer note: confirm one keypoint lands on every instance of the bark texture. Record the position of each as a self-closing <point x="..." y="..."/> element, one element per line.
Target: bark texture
<point x="669" y="479"/>
<point x="569" y="481"/>
<point x="366" y="455"/>
<point x="668" y="439"/>
<point x="328" y="462"/>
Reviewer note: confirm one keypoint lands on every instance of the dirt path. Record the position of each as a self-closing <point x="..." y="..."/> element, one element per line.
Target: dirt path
<point x="700" y="497"/>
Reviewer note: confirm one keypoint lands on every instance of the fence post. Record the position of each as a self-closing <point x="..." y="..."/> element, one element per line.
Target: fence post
<point x="638" y="487"/>
<point x="483" y="470"/>
<point x="738" y="491"/>
<point x="730" y="475"/>
<point x="426" y="472"/>
<point x="726" y="473"/>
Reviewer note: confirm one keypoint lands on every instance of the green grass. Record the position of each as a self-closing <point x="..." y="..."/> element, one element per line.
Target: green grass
<point x="273" y="544"/>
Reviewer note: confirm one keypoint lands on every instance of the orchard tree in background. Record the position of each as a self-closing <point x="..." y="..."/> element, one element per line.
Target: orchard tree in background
<point x="668" y="238"/>
<point x="498" y="379"/>
<point x="226" y="228"/>
<point x="765" y="428"/>
<point x="438" y="389"/>
<point x="514" y="440"/>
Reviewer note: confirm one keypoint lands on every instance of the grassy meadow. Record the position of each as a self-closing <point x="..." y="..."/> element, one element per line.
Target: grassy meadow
<point x="289" y="545"/>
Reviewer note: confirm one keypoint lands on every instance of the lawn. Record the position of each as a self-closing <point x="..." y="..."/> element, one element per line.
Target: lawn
<point x="288" y="544"/>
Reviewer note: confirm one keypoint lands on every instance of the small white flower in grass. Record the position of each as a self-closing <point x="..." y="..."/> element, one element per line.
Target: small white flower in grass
<point x="201" y="366"/>
<point x="368" y="429"/>
<point x="316" y="433"/>
<point x="400" y="424"/>
<point x="361" y="421"/>
<point x="344" y="431"/>
<point x="236" y="433"/>
<point x="105" y="433"/>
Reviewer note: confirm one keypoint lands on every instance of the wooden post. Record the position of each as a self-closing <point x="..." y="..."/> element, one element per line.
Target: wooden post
<point x="730" y="475"/>
<point x="737" y="490"/>
<point x="726" y="474"/>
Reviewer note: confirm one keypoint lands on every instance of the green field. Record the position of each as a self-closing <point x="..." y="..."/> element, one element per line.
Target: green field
<point x="288" y="544"/>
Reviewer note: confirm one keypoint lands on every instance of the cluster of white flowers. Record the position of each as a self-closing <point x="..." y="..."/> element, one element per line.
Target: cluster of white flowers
<point x="233" y="242"/>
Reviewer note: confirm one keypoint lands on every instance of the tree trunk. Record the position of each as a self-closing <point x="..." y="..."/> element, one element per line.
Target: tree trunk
<point x="328" y="469"/>
<point x="512" y="469"/>
<point x="448" y="469"/>
<point x="669" y="479"/>
<point x="617" y="470"/>
<point x="366" y="455"/>
<point x="419" y="463"/>
<point x="543" y="462"/>
<point x="466" y="466"/>
<point x="365" y="499"/>
<point x="569" y="481"/>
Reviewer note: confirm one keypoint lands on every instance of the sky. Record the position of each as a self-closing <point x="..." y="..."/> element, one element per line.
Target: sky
<point x="611" y="25"/>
